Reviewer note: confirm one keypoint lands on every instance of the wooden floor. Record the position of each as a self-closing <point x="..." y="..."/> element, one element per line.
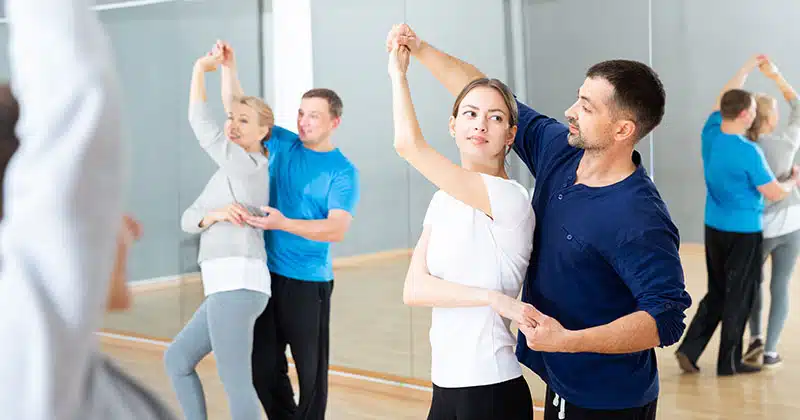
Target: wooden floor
<point x="372" y="330"/>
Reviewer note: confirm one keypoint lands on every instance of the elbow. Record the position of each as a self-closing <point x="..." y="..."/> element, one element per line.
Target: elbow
<point x="670" y="328"/>
<point x="403" y="147"/>
<point x="335" y="237"/>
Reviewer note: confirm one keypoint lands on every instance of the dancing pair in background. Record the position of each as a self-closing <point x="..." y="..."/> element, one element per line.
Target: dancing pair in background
<point x="746" y="161"/>
<point x="264" y="254"/>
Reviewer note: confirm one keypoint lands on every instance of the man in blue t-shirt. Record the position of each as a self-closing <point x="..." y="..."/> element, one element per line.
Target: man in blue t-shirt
<point x="737" y="180"/>
<point x="313" y="192"/>
<point x="605" y="274"/>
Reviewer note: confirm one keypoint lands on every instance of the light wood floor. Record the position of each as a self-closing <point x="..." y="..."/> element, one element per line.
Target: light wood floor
<point x="372" y="330"/>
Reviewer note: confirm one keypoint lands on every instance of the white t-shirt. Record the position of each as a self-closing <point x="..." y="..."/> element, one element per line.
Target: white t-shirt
<point x="473" y="346"/>
<point x="233" y="273"/>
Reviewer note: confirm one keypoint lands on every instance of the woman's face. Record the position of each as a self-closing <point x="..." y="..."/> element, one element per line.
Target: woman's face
<point x="243" y="128"/>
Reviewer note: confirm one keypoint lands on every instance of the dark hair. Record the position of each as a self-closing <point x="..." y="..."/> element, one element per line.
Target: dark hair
<point x="637" y="91"/>
<point x="733" y="102"/>
<point x="9" y="114"/>
<point x="501" y="88"/>
<point x="334" y="101"/>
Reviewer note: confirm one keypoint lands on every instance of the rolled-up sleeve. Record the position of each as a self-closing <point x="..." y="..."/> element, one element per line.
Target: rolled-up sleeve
<point x="650" y="265"/>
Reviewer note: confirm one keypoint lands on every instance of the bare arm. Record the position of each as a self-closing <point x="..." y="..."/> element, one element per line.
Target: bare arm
<point x="738" y="79"/>
<point x="453" y="73"/>
<point x="423" y="289"/>
<point x="770" y="70"/>
<point x="629" y="334"/>
<point x="231" y="85"/>
<point x="331" y="229"/>
<point x="463" y="185"/>
<point x="776" y="190"/>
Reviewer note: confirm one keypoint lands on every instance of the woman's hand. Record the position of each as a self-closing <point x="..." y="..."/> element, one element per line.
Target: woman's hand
<point x="399" y="57"/>
<point x="227" y="54"/>
<point x="210" y="61"/>
<point x="234" y="213"/>
<point x="520" y="312"/>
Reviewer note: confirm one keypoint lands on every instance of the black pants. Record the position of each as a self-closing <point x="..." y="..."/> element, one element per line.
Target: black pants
<point x="509" y="400"/>
<point x="733" y="261"/>
<point x="554" y="405"/>
<point x="298" y="315"/>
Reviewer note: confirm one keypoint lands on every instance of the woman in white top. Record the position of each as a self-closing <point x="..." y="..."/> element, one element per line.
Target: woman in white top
<point x="473" y="253"/>
<point x="232" y="256"/>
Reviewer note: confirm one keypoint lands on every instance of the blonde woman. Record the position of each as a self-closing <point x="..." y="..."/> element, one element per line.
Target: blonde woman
<point x="232" y="257"/>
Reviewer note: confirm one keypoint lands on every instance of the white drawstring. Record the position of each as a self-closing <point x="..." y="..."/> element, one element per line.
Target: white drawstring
<point x="562" y="414"/>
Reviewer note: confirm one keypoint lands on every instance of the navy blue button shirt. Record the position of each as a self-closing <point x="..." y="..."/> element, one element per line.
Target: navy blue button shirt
<point x="599" y="254"/>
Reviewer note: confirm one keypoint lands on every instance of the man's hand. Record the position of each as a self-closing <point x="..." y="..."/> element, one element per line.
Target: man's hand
<point x="548" y="335"/>
<point x="274" y="219"/>
<point x="402" y="34"/>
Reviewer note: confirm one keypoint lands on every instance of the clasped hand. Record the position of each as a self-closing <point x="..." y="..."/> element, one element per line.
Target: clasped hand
<point x="542" y="333"/>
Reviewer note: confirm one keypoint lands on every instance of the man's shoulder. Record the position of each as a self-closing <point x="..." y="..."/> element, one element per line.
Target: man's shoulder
<point x="339" y="164"/>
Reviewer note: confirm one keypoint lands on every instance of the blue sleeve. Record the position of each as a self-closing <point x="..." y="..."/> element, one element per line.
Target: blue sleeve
<point x="345" y="191"/>
<point x="539" y="138"/>
<point x="650" y="266"/>
<point x="711" y="130"/>
<point x="279" y="138"/>
<point x="757" y="168"/>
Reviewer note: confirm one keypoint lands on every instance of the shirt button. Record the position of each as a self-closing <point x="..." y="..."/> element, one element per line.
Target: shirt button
<point x="569" y="237"/>
<point x="560" y="196"/>
<point x="668" y="305"/>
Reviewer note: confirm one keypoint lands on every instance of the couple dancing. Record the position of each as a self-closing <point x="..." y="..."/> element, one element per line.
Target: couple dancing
<point x="604" y="283"/>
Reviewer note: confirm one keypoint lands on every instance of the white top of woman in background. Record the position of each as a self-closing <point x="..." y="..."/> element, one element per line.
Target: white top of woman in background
<point x="474" y="346"/>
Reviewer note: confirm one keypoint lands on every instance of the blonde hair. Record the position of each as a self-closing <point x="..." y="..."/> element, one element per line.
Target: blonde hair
<point x="765" y="106"/>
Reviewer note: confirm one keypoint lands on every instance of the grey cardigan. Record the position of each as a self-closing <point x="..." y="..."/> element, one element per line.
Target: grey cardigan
<point x="780" y="149"/>
<point x="242" y="178"/>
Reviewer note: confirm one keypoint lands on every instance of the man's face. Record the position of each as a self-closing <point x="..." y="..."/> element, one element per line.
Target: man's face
<point x="590" y="118"/>
<point x="314" y="120"/>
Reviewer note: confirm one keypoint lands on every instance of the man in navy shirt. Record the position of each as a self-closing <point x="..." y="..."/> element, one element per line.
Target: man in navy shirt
<point x="605" y="274"/>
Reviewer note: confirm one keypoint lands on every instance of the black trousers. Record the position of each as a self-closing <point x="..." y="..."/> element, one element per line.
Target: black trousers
<point x="554" y="405"/>
<point x="733" y="261"/>
<point x="297" y="315"/>
<point x="509" y="400"/>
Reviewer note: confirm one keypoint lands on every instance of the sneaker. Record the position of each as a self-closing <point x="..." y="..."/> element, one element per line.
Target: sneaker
<point x="686" y="365"/>
<point x="772" y="361"/>
<point x="754" y="352"/>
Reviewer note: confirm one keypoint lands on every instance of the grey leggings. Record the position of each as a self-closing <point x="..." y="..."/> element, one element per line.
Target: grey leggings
<point x="224" y="324"/>
<point x="783" y="250"/>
